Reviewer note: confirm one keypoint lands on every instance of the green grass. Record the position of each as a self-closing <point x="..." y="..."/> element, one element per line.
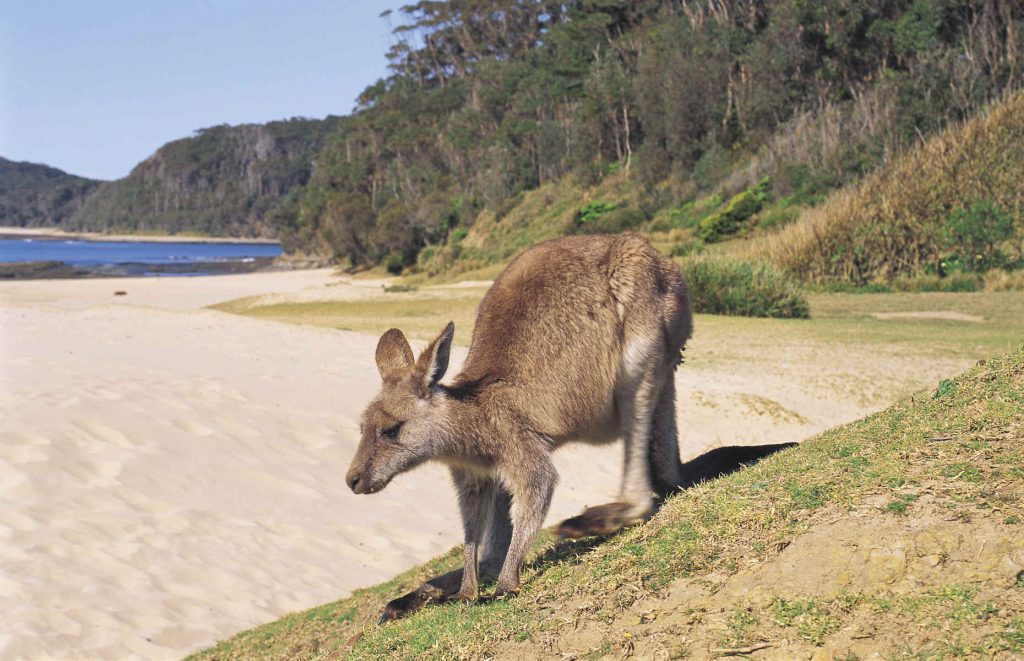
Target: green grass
<point x="900" y="504"/>
<point x="741" y="627"/>
<point x="715" y="527"/>
<point x="811" y="620"/>
<point x="876" y="319"/>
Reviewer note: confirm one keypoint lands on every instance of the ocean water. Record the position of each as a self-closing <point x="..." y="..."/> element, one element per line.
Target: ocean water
<point x="137" y="257"/>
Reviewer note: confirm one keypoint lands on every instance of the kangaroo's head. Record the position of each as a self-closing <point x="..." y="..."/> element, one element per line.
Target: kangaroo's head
<point x="400" y="428"/>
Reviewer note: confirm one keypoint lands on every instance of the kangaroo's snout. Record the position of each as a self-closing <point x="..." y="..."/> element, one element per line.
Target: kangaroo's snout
<point x="358" y="478"/>
<point x="364" y="482"/>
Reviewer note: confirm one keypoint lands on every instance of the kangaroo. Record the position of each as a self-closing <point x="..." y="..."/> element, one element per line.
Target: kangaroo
<point x="577" y="339"/>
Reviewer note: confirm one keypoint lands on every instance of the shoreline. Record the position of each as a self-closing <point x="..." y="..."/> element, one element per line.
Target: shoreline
<point x="57" y="270"/>
<point x="53" y="234"/>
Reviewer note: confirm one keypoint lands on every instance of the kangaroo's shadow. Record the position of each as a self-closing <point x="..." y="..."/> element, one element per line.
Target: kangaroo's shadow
<point x="724" y="460"/>
<point x="714" y="463"/>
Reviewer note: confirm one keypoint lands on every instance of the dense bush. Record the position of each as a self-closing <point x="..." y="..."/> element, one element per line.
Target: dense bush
<point x="974" y="236"/>
<point x="730" y="218"/>
<point x="227" y="181"/>
<point x="604" y="218"/>
<point x="723" y="286"/>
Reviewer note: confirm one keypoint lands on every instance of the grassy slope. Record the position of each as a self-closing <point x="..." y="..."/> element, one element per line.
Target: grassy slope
<point x="889" y="225"/>
<point x="741" y="521"/>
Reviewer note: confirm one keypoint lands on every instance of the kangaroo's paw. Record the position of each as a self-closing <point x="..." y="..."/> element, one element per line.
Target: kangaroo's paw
<point x="500" y="594"/>
<point x="601" y="520"/>
<point x="411" y="602"/>
<point x="467" y="597"/>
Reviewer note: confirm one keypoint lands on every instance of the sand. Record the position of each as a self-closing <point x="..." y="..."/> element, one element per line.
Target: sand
<point x="170" y="475"/>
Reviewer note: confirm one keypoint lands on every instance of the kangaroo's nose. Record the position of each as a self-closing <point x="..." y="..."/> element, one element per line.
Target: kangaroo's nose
<point x="353" y="480"/>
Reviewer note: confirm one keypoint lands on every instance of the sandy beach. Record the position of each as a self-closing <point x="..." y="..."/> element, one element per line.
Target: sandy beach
<point x="170" y="474"/>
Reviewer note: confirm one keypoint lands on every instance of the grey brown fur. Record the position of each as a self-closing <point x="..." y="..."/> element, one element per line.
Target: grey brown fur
<point x="577" y="339"/>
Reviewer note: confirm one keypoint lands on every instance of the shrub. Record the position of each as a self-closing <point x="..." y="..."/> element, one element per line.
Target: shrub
<point x="730" y="287"/>
<point x="603" y="218"/>
<point x="399" y="288"/>
<point x="690" y="214"/>
<point x="737" y="210"/>
<point x="394" y="263"/>
<point x="778" y="216"/>
<point x="686" y="246"/>
<point x="974" y="234"/>
<point x="593" y="212"/>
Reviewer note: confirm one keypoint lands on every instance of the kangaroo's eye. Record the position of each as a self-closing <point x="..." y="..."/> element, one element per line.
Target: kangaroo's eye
<point x="391" y="433"/>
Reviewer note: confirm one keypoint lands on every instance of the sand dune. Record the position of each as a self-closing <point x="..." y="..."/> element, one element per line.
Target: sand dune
<point x="170" y="475"/>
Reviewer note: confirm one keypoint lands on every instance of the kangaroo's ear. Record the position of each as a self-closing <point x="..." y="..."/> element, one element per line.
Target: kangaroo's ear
<point x="394" y="354"/>
<point x="433" y="362"/>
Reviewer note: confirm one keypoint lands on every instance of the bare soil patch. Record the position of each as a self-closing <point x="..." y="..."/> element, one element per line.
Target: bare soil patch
<point x="950" y="315"/>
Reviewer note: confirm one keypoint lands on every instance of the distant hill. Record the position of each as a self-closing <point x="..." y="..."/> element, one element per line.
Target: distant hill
<point x="224" y="181"/>
<point x="33" y="195"/>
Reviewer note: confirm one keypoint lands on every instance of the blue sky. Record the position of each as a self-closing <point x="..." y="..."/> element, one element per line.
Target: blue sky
<point x="95" y="87"/>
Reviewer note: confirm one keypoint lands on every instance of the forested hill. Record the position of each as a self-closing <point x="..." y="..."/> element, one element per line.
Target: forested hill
<point x="678" y="99"/>
<point x="33" y="195"/>
<point x="224" y="181"/>
<point x="670" y="102"/>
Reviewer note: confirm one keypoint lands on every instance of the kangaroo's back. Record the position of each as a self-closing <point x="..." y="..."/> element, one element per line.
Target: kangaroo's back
<point x="561" y="324"/>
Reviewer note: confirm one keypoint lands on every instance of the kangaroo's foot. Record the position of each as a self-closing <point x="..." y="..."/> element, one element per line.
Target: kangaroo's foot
<point x="601" y="520"/>
<point x="467" y="597"/>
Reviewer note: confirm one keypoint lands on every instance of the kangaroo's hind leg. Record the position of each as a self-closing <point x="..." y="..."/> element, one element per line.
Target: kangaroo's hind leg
<point x="636" y="401"/>
<point x="664" y="451"/>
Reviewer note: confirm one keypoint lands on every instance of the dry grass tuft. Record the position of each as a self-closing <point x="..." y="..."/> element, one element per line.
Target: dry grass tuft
<point x="999" y="280"/>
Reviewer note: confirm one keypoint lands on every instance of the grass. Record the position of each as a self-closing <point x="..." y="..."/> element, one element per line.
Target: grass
<point x="889" y="319"/>
<point x="812" y="621"/>
<point x="892" y="224"/>
<point x="900" y="504"/>
<point x="741" y="627"/>
<point x="419" y="314"/>
<point x="837" y="320"/>
<point x="544" y="213"/>
<point x="718" y="527"/>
